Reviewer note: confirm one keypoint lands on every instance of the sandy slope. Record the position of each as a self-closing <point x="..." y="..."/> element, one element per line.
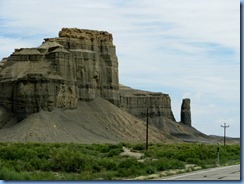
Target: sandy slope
<point x="97" y="121"/>
<point x="92" y="122"/>
<point x="179" y="130"/>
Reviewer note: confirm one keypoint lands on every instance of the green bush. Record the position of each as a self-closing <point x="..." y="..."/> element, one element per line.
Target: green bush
<point x="9" y="174"/>
<point x="163" y="164"/>
<point x="139" y="147"/>
<point x="130" y="167"/>
<point x="115" y="152"/>
<point x="63" y="161"/>
<point x="107" y="164"/>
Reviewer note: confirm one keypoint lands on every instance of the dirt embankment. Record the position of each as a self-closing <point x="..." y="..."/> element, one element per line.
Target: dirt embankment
<point x="97" y="121"/>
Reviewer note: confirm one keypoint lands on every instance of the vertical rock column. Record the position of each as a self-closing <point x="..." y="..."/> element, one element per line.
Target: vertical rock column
<point x="186" y="112"/>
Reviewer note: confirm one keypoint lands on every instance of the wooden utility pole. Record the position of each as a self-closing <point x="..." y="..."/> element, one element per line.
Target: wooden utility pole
<point x="147" y="127"/>
<point x="225" y="126"/>
<point x="147" y="132"/>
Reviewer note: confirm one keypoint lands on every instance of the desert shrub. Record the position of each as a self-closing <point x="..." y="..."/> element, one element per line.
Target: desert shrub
<point x="193" y="161"/>
<point x="163" y="164"/>
<point x="159" y="151"/>
<point x="150" y="169"/>
<point x="130" y="167"/>
<point x="107" y="147"/>
<point x="64" y="161"/>
<point x="128" y="162"/>
<point x="138" y="147"/>
<point x="132" y="171"/>
<point x="107" y="164"/>
<point x="9" y="174"/>
<point x="115" y="152"/>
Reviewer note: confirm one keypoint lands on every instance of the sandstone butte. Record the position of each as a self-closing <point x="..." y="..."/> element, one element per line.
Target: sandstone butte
<point x="67" y="90"/>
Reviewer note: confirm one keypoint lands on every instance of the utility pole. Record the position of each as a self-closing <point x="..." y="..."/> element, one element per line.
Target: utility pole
<point x="147" y="127"/>
<point x="147" y="132"/>
<point x="225" y="126"/>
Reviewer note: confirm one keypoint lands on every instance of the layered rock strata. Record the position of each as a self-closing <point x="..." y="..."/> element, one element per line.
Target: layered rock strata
<point x="138" y="103"/>
<point x="186" y="112"/>
<point x="2" y="63"/>
<point x="79" y="65"/>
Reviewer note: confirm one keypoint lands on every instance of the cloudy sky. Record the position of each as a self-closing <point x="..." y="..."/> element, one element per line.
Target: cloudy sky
<point x="187" y="49"/>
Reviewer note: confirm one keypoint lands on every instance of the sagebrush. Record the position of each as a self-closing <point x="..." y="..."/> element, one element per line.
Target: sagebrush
<point x="69" y="161"/>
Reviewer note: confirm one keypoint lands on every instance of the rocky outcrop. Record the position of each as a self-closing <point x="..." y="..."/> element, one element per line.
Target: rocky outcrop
<point x="85" y="34"/>
<point x="95" y="65"/>
<point x="186" y="112"/>
<point x="78" y="65"/>
<point x="2" y="63"/>
<point x="137" y="102"/>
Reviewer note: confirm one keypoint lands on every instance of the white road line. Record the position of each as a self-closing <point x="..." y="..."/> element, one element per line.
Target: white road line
<point x="198" y="172"/>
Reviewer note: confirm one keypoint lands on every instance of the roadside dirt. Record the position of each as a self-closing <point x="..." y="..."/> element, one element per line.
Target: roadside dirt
<point x="128" y="152"/>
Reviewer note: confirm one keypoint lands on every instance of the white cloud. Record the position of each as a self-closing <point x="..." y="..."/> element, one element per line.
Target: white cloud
<point x="202" y="20"/>
<point x="185" y="48"/>
<point x="9" y="44"/>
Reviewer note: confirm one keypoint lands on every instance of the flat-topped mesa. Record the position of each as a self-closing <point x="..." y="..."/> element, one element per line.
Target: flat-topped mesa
<point x="78" y="65"/>
<point x="86" y="34"/>
<point x="136" y="102"/>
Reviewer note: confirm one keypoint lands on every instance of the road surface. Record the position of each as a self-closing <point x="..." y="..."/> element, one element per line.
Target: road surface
<point x="219" y="173"/>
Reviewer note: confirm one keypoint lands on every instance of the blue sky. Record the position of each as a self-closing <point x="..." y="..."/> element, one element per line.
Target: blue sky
<point x="184" y="48"/>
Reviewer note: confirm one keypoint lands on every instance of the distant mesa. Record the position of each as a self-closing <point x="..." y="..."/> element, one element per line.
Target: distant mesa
<point x="73" y="79"/>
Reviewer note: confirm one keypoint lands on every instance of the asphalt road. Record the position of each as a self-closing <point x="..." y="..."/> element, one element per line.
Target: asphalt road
<point x="219" y="173"/>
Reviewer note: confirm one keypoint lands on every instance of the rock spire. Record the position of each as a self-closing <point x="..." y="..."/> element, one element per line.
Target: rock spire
<point x="186" y="112"/>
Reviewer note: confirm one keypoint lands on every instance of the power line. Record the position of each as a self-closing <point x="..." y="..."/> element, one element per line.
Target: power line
<point x="224" y="126"/>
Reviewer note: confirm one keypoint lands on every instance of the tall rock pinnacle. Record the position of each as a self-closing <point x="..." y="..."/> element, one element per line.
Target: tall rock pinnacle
<point x="186" y="112"/>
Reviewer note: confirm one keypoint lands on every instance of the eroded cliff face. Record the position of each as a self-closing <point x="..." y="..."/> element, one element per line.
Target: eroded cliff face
<point x="77" y="65"/>
<point x="136" y="102"/>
